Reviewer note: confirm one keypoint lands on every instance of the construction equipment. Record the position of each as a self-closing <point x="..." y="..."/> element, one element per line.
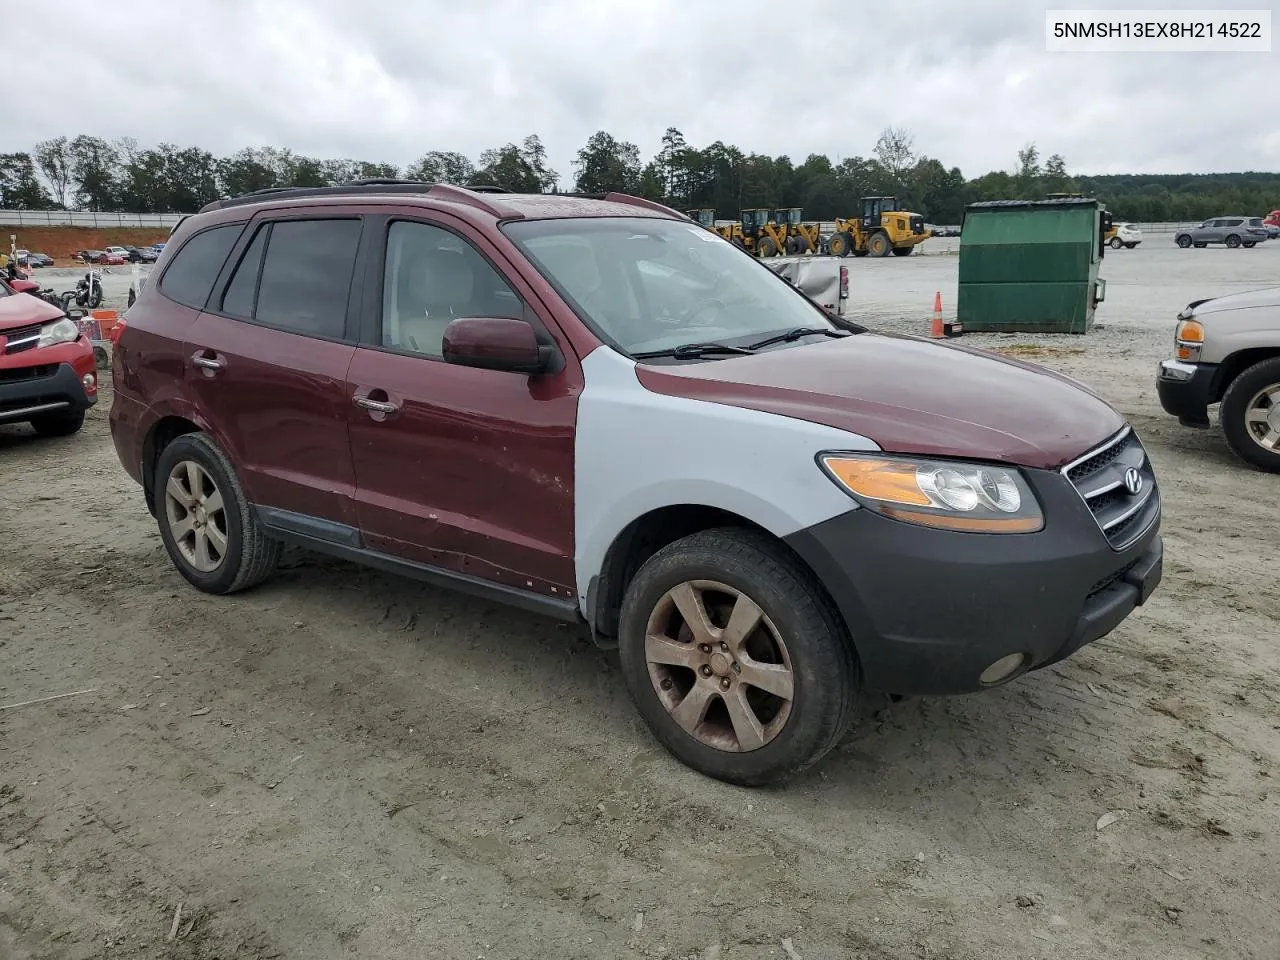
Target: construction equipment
<point x="882" y="229"/>
<point x="799" y="236"/>
<point x="763" y="235"/>
<point x="704" y="217"/>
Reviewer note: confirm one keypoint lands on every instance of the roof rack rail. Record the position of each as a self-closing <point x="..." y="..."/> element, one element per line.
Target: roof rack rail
<point x="616" y="197"/>
<point x="375" y="185"/>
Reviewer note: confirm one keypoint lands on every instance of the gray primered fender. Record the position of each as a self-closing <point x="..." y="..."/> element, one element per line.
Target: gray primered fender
<point x="637" y="451"/>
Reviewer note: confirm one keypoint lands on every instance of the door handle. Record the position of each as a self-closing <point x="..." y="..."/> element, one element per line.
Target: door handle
<point x="377" y="406"/>
<point x="209" y="364"/>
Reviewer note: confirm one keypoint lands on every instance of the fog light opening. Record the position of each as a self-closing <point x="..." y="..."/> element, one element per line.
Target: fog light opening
<point x="1006" y="668"/>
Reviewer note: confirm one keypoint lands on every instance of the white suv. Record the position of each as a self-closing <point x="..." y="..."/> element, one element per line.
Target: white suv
<point x="1127" y="235"/>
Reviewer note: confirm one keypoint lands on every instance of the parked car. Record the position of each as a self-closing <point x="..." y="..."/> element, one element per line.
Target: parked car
<point x="1272" y="219"/>
<point x="1126" y="235"/>
<point x="48" y="376"/>
<point x="91" y="256"/>
<point x="146" y="255"/>
<point x="39" y="260"/>
<point x="1227" y="352"/>
<point x="1231" y="231"/>
<point x="596" y="409"/>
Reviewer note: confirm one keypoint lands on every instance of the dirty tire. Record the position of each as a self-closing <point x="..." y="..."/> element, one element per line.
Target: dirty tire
<point x="1242" y="401"/>
<point x="1183" y="241"/>
<point x="100" y="358"/>
<point x="1233" y="241"/>
<point x="839" y="244"/>
<point x="878" y="245"/>
<point x="58" y="424"/>
<point x="765" y="247"/>
<point x="823" y="665"/>
<point x="251" y="556"/>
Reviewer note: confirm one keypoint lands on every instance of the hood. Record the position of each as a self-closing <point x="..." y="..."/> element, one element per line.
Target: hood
<point x="24" y="310"/>
<point x="910" y="396"/>
<point x="1269" y="297"/>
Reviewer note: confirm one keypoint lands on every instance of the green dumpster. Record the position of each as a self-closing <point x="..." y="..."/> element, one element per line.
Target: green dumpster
<point x="1031" y="266"/>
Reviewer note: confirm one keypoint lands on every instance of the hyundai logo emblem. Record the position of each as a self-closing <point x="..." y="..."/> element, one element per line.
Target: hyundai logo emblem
<point x="1132" y="481"/>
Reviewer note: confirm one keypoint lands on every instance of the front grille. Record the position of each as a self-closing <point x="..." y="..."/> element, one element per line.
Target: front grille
<point x="24" y="338"/>
<point x="18" y="374"/>
<point x="1101" y="477"/>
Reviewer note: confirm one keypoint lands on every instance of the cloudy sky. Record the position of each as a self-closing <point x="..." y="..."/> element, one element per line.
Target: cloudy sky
<point x="390" y="79"/>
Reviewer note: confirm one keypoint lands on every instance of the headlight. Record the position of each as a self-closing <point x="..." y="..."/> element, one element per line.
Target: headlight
<point x="970" y="497"/>
<point x="1188" y="339"/>
<point x="60" y="331"/>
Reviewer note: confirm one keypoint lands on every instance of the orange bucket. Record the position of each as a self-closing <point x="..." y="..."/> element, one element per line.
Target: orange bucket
<point x="107" y="320"/>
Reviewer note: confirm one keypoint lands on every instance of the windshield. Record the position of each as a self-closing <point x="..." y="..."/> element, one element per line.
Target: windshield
<point x="645" y="284"/>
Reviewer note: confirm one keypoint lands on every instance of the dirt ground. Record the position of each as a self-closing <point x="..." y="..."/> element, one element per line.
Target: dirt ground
<point x="343" y="763"/>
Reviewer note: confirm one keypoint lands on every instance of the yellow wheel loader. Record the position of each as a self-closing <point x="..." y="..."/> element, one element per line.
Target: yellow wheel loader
<point x="798" y="236"/>
<point x="883" y="228"/>
<point x="763" y="235"/>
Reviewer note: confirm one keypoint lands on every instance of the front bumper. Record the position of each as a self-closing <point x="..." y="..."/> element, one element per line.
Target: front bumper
<point x="43" y="390"/>
<point x="930" y="610"/>
<point x="1186" y="390"/>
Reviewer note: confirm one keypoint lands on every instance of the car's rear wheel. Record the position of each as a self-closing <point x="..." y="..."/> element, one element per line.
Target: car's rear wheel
<point x="1250" y="415"/>
<point x="1184" y="241"/>
<point x="208" y="529"/>
<point x="1248" y="244"/>
<point x="736" y="661"/>
<point x="58" y="424"/>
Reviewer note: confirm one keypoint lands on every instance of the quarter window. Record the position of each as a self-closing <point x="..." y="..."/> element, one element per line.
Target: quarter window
<point x="190" y="276"/>
<point x="432" y="277"/>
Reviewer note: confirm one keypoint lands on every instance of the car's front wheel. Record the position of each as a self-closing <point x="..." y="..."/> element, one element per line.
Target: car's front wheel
<point x="207" y="526"/>
<point x="1116" y="243"/>
<point x="1184" y="241"/>
<point x="1250" y="415"/>
<point x="736" y="661"/>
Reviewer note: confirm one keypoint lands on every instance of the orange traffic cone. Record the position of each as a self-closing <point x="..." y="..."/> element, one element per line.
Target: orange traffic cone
<point x="938" y="329"/>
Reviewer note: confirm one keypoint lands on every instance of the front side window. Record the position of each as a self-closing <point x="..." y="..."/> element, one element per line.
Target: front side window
<point x="645" y="284"/>
<point x="431" y="278"/>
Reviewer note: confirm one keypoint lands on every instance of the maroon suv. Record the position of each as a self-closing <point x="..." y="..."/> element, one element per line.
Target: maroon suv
<point x="593" y="408"/>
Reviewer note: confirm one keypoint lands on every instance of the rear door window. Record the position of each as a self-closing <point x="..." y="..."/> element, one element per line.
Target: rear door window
<point x="305" y="281"/>
<point x="190" y="275"/>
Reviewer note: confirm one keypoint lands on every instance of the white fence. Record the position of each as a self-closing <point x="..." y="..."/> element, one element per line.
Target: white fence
<point x="85" y="218"/>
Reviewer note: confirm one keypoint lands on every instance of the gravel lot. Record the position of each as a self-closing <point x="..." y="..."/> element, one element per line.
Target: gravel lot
<point x="343" y="763"/>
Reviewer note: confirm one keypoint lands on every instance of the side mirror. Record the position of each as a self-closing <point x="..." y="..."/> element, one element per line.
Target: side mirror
<point x="24" y="286"/>
<point x="496" y="343"/>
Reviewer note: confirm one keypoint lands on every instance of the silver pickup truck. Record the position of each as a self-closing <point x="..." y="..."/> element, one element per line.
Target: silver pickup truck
<point x="1227" y="351"/>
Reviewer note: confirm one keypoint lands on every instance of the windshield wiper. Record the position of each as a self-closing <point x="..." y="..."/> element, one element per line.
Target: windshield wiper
<point x="795" y="334"/>
<point x="691" y="351"/>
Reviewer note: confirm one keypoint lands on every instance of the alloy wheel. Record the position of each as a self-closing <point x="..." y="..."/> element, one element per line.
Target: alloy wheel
<point x="1262" y="418"/>
<point x="719" y="665"/>
<point x="196" y="516"/>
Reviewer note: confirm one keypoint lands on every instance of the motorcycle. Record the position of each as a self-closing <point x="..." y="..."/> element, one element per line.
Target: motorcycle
<point x="88" y="292"/>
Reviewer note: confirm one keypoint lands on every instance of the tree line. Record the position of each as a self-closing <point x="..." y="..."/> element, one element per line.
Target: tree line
<point x="91" y="173"/>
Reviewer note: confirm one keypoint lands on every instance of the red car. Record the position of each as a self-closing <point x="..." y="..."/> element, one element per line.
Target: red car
<point x="595" y="409"/>
<point x="48" y="375"/>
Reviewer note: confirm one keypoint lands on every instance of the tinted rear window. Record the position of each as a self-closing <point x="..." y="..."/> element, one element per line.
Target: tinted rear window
<point x="306" y="276"/>
<point x="190" y="275"/>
